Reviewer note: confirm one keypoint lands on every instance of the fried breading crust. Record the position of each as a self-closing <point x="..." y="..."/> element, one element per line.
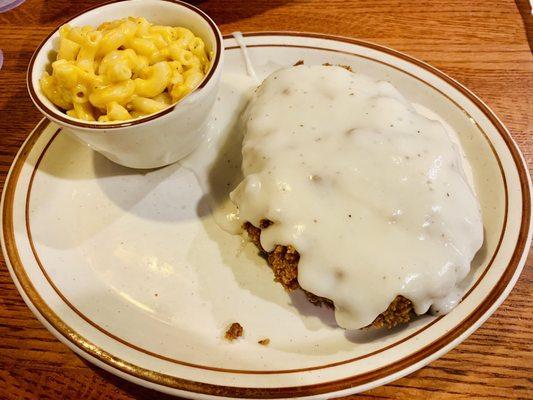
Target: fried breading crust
<point x="284" y="263"/>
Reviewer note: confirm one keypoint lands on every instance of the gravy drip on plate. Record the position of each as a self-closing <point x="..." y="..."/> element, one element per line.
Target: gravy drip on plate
<point x="371" y="193"/>
<point x="239" y="38"/>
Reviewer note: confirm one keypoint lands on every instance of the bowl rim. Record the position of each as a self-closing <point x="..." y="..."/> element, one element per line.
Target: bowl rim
<point x="78" y="123"/>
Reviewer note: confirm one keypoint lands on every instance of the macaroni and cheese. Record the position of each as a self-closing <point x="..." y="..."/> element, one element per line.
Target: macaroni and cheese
<point x="124" y="69"/>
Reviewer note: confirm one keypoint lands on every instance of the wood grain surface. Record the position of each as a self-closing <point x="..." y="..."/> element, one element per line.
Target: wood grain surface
<point x="483" y="44"/>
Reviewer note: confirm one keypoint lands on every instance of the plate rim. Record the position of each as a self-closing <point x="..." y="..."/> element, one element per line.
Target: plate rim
<point x="494" y="298"/>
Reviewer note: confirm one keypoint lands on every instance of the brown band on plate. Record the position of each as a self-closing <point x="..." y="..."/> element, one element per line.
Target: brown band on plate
<point x="229" y="370"/>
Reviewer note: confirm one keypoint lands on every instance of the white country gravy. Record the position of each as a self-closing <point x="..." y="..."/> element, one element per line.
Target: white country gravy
<point x="371" y="193"/>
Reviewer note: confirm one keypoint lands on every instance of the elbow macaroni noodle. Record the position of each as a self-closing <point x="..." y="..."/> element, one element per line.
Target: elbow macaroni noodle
<point x="124" y="69"/>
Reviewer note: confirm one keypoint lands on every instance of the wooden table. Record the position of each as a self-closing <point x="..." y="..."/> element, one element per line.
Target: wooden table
<point x="483" y="44"/>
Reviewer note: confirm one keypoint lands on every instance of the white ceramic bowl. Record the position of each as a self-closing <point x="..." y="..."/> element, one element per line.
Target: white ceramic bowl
<point x="157" y="139"/>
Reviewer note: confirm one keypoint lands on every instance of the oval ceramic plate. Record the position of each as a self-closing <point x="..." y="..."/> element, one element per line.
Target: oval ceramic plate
<point x="130" y="270"/>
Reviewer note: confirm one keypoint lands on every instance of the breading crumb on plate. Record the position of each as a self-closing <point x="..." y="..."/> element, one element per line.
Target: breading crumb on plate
<point x="234" y="331"/>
